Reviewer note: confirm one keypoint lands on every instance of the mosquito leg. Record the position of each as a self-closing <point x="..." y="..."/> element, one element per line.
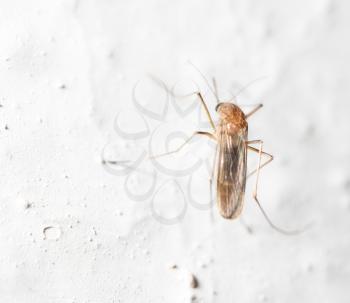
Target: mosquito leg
<point x="254" y="110"/>
<point x="212" y="136"/>
<point x="206" y="111"/>
<point x="211" y="121"/>
<point x="160" y="83"/>
<point x="211" y="178"/>
<point x="125" y="162"/>
<point x="255" y="193"/>
<point x="270" y="157"/>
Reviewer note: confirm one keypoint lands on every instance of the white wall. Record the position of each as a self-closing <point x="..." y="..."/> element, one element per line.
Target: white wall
<point x="69" y="230"/>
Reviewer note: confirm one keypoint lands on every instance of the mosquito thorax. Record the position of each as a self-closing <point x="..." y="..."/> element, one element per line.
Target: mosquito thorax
<point x="231" y="113"/>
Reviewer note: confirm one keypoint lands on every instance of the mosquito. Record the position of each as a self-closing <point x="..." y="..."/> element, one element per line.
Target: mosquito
<point x="230" y="167"/>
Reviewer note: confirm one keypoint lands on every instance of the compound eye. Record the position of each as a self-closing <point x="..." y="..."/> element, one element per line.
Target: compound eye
<point x="217" y="106"/>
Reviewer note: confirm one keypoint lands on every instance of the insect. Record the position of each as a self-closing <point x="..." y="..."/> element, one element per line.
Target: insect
<point x="231" y="135"/>
<point x="230" y="173"/>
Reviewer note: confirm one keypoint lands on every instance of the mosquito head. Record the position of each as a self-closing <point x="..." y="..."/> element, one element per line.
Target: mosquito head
<point x="230" y="112"/>
<point x="226" y="107"/>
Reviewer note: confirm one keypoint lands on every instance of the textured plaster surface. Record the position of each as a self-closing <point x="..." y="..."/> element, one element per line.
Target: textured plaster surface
<point x="70" y="231"/>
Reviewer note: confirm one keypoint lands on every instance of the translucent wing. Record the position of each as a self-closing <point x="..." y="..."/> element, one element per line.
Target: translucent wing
<point x="231" y="170"/>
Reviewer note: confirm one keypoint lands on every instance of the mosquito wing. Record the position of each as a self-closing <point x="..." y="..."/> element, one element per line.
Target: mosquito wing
<point x="231" y="171"/>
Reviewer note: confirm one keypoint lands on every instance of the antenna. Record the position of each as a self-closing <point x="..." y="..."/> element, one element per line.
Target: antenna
<point x="216" y="90"/>
<point x="249" y="84"/>
<point x="206" y="81"/>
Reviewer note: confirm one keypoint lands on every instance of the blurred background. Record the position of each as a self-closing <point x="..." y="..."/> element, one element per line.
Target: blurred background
<point x="86" y="80"/>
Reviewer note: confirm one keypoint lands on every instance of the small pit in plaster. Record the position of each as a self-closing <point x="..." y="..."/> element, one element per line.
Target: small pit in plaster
<point x="22" y="203"/>
<point x="194" y="281"/>
<point x="52" y="233"/>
